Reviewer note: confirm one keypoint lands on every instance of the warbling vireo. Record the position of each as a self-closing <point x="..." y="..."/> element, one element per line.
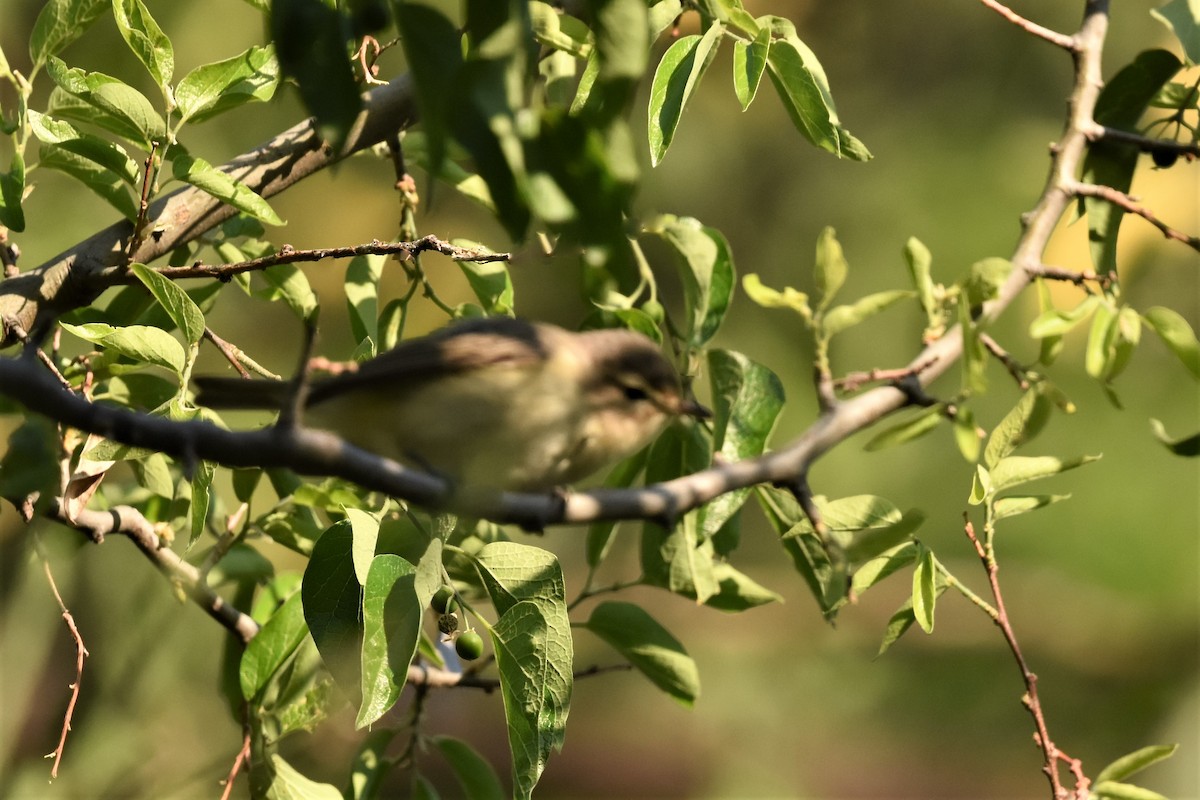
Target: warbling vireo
<point x="494" y="402"/>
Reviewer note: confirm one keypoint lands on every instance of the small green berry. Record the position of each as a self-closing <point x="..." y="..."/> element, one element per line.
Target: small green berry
<point x="448" y="623"/>
<point x="469" y="645"/>
<point x="443" y="600"/>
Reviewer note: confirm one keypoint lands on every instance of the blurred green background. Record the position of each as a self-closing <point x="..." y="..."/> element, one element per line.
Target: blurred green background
<point x="958" y="108"/>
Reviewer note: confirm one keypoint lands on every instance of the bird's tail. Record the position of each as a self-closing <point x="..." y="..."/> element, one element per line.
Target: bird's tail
<point x="240" y="393"/>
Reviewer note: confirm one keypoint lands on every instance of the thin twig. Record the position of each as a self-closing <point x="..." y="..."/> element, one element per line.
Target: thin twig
<point x="1127" y="203"/>
<point x="242" y="757"/>
<point x="1030" y="699"/>
<point x="1018" y="373"/>
<point x="81" y="653"/>
<point x="1054" y="37"/>
<point x="139" y="226"/>
<point x="1146" y="144"/>
<point x="290" y="255"/>
<point x="1070" y="276"/>
<point x="23" y="337"/>
<point x="854" y="380"/>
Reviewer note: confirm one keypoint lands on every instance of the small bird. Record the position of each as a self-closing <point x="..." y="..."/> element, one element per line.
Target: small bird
<point x="497" y="402"/>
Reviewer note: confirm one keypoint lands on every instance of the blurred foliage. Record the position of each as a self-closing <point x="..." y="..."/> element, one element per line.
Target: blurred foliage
<point x="1102" y="589"/>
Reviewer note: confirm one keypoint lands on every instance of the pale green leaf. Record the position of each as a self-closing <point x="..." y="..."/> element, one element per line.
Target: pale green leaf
<point x="1135" y="762"/>
<point x="749" y="62"/>
<point x="145" y="39"/>
<point x="289" y="784"/>
<point x="1015" y="470"/>
<point x="1023" y="504"/>
<point x="924" y="593"/>
<point x="225" y="188"/>
<point x="211" y="89"/>
<point x="839" y="318"/>
<point x="830" y="268"/>
<point x="139" y="342"/>
<point x="61" y="22"/>
<point x="182" y="310"/>
<point x="1177" y="334"/>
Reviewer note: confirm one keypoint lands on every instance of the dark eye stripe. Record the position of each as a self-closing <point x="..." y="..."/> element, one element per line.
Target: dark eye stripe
<point x="634" y="393"/>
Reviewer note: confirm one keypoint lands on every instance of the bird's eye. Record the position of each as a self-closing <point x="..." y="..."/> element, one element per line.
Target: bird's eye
<point x="634" y="393"/>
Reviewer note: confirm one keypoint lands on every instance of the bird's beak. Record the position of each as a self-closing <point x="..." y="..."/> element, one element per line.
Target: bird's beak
<point x="690" y="408"/>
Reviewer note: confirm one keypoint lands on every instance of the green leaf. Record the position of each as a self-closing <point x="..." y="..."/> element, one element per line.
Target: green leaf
<point x="124" y="110"/>
<point x="475" y="775"/>
<point x="736" y="591"/>
<point x="1099" y="353"/>
<point x="749" y="62"/>
<point x="30" y="461"/>
<point x="1186" y="446"/>
<point x="912" y="428"/>
<point x="310" y="39"/>
<point x="677" y="75"/>
<point x="599" y="534"/>
<point x="1177" y="334"/>
<point x="332" y="605"/>
<point x="212" y="89"/>
<point x="621" y="30"/>
<point x="94" y="148"/>
<point x="649" y="647"/>
<point x="747" y="400"/>
<point x="535" y="683"/>
<point x="206" y="177"/>
<point x="145" y="39"/>
<point x="767" y="297"/>
<point x="139" y="342"/>
<point x="201" y="498"/>
<point x="289" y="784"/>
<point x="1183" y="18"/>
<point x="392" y="618"/>
<point x="966" y="434"/>
<point x="1015" y="470"/>
<point x="371" y="766"/>
<point x="1109" y="163"/>
<point x="491" y="283"/>
<point x="1135" y="762"/>
<point x="362" y="296"/>
<point x="680" y="559"/>
<point x="882" y="565"/>
<point x="182" y="309"/>
<point x="365" y="529"/>
<point x="1019" y="426"/>
<point x="984" y="280"/>
<point x="920" y="262"/>
<point x="107" y="184"/>
<point x="12" y="191"/>
<point x="434" y="55"/>
<point x="290" y="283"/>
<point x="707" y="271"/>
<point x="559" y="31"/>
<point x="61" y="22"/>
<point x="901" y="621"/>
<point x="839" y="318"/>
<point x="801" y="84"/>
<point x="1054" y="322"/>
<point x="272" y="646"/>
<point x="830" y="268"/>
<point x="1113" y="790"/>
<point x="1023" y="504"/>
<point x="924" y="592"/>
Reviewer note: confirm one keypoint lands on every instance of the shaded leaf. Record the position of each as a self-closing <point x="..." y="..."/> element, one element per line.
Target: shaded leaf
<point x="310" y="41"/>
<point x="139" y="342"/>
<point x="913" y="428"/>
<point x="392" y="618"/>
<point x="331" y="595"/>
<point x="924" y="591"/>
<point x="1185" y="446"/>
<point x="706" y="266"/>
<point x="649" y="647"/>
<point x="749" y="62"/>
<point x="108" y="185"/>
<point x="474" y="773"/>
<point x="61" y="22"/>
<point x="272" y="646"/>
<point x="1023" y="504"/>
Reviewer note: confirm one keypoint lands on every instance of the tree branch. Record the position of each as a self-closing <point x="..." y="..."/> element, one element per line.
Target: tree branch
<point x="1127" y="203"/>
<point x="1054" y="37"/>
<point x="130" y="522"/>
<point x="69" y="280"/>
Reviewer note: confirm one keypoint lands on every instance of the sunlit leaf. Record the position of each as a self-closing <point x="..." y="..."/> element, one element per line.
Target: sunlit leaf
<point x="677" y="75"/>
